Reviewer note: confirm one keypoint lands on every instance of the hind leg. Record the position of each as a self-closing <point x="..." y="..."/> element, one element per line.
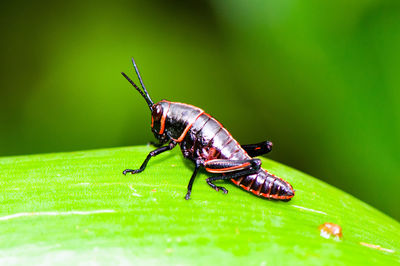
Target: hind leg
<point x="230" y="169"/>
<point x="258" y="149"/>
<point x="228" y="176"/>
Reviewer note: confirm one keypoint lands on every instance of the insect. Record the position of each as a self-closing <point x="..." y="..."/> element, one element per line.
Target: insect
<point x="208" y="144"/>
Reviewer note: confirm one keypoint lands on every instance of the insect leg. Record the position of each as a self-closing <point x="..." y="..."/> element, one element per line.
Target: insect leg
<point x="189" y="188"/>
<point x="228" y="176"/>
<point x="156" y="152"/>
<point x="225" y="166"/>
<point x="258" y="148"/>
<point x="231" y="168"/>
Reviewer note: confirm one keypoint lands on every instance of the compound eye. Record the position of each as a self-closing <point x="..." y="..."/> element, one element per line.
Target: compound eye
<point x="157" y="113"/>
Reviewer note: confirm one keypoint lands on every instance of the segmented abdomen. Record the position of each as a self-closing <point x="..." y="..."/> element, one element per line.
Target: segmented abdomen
<point x="265" y="184"/>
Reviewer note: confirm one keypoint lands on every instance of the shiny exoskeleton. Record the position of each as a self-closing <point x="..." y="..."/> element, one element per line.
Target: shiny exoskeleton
<point x="208" y="144"/>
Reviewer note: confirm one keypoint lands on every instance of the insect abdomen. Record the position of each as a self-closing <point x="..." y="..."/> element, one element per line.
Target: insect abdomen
<point x="264" y="184"/>
<point x="208" y="139"/>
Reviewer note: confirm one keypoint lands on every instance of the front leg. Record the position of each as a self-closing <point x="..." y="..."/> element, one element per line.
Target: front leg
<point x="156" y="152"/>
<point x="189" y="188"/>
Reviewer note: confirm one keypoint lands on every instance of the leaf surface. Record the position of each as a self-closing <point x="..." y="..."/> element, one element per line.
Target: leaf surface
<point x="78" y="208"/>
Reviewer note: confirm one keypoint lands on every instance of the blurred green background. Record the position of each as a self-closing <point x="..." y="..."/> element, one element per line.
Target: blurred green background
<point x="318" y="78"/>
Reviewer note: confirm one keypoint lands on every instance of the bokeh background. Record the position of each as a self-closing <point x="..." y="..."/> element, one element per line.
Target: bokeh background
<point x="321" y="79"/>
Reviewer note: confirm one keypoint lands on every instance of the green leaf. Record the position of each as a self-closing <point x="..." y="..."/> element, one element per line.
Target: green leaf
<point x="77" y="207"/>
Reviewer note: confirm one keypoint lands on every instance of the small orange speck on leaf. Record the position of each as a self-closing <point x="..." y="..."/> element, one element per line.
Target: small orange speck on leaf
<point x="328" y="230"/>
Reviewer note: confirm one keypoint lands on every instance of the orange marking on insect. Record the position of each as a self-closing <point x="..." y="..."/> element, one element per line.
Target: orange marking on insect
<point x="212" y="152"/>
<point x="278" y="190"/>
<point x="164" y="116"/>
<point x="227" y="132"/>
<point x="252" y="182"/>
<point x="255" y="192"/>
<point x="258" y="191"/>
<point x="237" y="182"/>
<point x="273" y="196"/>
<point x="192" y="106"/>
<point x="244" y="187"/>
<point x="269" y="188"/>
<point x="258" y="148"/>
<point x="228" y="169"/>
<point x="219" y="123"/>
<point x="188" y="127"/>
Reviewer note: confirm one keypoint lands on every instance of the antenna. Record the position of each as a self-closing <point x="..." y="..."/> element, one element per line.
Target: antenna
<point x="145" y="96"/>
<point x="140" y="78"/>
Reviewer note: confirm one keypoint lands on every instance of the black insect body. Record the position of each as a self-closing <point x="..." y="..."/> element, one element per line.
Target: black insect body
<point x="208" y="144"/>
